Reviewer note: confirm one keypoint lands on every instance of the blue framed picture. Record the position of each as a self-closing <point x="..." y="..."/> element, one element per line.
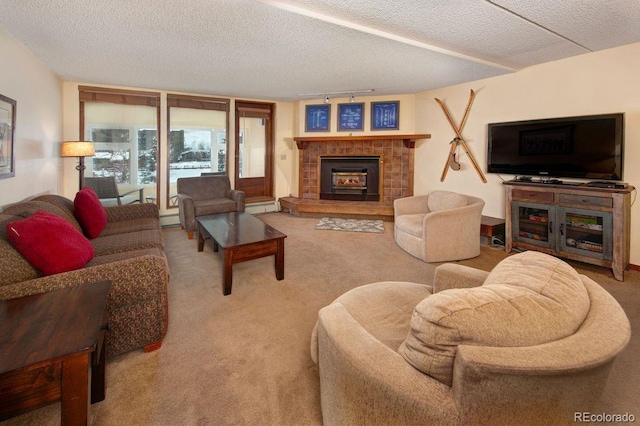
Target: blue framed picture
<point x="317" y="118"/>
<point x="385" y="115"/>
<point x="350" y="117"/>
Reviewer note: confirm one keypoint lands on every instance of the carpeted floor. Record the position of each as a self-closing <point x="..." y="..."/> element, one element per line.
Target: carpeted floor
<point x="244" y="358"/>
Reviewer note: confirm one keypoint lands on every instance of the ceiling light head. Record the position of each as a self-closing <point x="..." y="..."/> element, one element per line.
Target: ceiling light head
<point x="326" y="95"/>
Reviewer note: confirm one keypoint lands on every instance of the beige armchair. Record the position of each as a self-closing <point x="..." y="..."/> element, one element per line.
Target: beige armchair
<point x="203" y="195"/>
<point x="438" y="227"/>
<point x="485" y="348"/>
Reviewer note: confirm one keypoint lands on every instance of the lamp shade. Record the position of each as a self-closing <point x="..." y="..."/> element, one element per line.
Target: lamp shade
<point x="77" y="149"/>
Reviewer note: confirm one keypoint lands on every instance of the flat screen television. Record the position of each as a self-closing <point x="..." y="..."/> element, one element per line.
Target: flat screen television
<point x="587" y="147"/>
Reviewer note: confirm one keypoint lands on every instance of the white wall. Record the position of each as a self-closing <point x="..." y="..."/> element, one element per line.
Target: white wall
<point x="406" y="121"/>
<point x="595" y="83"/>
<point x="286" y="154"/>
<point x="38" y="93"/>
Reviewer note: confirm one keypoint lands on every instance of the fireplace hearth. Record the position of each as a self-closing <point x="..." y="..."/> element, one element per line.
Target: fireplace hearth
<point x="352" y="178"/>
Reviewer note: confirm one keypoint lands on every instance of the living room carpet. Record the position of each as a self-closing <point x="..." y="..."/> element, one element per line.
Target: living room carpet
<point x="243" y="359"/>
<point x="350" y="225"/>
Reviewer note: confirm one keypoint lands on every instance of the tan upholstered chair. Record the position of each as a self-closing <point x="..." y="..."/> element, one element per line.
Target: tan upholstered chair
<point x="438" y="227"/>
<point x="532" y="342"/>
<point x="203" y="195"/>
<point x="107" y="189"/>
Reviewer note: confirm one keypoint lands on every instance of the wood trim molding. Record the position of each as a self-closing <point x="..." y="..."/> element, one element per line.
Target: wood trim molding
<point x="409" y="140"/>
<point x="118" y="96"/>
<point x="197" y="102"/>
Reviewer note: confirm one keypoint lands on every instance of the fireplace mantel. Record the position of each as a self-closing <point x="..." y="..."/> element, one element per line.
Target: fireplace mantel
<point x="409" y="140"/>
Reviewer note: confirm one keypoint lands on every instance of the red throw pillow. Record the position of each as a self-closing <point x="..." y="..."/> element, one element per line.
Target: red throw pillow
<point x="89" y="212"/>
<point x="50" y="243"/>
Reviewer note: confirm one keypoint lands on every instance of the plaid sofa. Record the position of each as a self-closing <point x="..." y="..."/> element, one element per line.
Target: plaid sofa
<point x="129" y="252"/>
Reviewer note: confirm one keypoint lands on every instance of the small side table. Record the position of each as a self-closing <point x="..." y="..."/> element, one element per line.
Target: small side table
<point x="50" y="344"/>
<point x="491" y="227"/>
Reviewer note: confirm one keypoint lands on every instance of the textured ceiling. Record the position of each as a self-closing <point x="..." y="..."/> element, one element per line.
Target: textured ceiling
<point x="287" y="49"/>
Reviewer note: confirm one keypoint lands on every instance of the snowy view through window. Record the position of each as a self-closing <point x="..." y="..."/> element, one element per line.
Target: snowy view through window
<point x="190" y="154"/>
<point x="196" y="151"/>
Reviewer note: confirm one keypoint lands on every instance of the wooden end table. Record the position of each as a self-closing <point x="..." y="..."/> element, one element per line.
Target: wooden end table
<point x="242" y="237"/>
<point x="50" y="344"/>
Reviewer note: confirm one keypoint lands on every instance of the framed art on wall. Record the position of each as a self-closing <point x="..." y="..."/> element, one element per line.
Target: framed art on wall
<point x="385" y="115"/>
<point x="7" y="137"/>
<point x="317" y="118"/>
<point x="350" y="117"/>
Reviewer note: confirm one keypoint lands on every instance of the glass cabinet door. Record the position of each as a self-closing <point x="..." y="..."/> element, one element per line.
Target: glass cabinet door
<point x="534" y="224"/>
<point x="586" y="232"/>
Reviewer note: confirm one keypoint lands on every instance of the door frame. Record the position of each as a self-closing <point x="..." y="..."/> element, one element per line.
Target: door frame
<point x="260" y="188"/>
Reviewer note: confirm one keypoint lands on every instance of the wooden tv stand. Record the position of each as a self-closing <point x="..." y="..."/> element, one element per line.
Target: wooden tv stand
<point x="572" y="221"/>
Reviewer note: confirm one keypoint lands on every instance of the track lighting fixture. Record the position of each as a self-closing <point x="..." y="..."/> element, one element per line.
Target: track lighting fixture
<point x="350" y="93"/>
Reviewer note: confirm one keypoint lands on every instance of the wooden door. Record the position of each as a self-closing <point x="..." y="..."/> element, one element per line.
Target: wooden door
<point x="254" y="150"/>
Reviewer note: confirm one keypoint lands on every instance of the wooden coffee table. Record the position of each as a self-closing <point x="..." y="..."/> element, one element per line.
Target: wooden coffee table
<point x="242" y="237"/>
<point x="46" y="346"/>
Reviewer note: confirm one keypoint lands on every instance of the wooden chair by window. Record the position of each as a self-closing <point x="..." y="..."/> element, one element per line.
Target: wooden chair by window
<point x="107" y="190"/>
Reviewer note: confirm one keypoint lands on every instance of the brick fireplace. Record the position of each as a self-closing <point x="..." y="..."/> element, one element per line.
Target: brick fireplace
<point x="396" y="171"/>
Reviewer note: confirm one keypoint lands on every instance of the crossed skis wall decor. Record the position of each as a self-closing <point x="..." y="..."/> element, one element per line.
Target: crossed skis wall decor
<point x="458" y="141"/>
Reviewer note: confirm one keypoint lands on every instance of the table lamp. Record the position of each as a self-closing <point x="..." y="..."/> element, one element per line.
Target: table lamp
<point x="78" y="149"/>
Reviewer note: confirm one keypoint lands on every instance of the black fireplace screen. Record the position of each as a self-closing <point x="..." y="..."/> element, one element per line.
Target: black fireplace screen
<point x="350" y="178"/>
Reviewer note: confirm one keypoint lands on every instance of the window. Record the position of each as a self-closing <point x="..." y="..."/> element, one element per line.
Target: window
<point x="252" y="147"/>
<point x="129" y="154"/>
<point x="198" y="133"/>
<point x="124" y="128"/>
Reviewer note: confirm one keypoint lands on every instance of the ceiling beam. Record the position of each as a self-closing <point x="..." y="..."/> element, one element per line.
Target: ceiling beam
<point x="550" y="31"/>
<point x="368" y="30"/>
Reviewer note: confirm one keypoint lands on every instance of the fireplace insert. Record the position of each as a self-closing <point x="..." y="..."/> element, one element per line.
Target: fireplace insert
<point x="350" y="178"/>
